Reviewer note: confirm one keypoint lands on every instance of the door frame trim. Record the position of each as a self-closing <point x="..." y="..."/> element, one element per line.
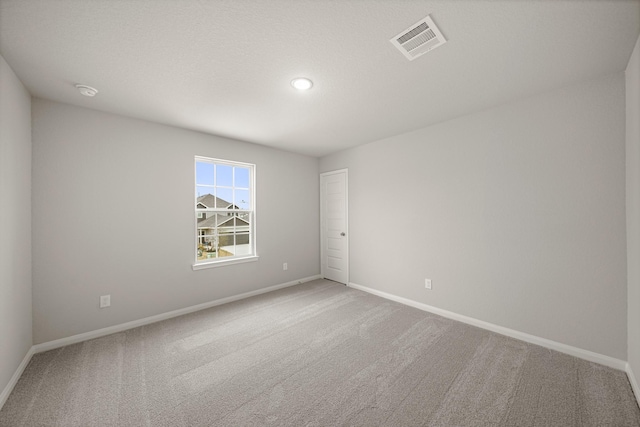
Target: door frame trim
<point x="346" y="213"/>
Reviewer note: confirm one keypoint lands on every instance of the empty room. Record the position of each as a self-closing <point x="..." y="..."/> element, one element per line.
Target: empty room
<point x="319" y="213"/>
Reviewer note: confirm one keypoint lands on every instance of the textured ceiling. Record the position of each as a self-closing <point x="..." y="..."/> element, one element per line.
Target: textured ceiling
<point x="224" y="67"/>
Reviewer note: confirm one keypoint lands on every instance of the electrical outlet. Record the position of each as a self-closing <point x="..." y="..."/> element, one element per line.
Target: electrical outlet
<point x="105" y="301"/>
<point x="285" y="266"/>
<point x="427" y="283"/>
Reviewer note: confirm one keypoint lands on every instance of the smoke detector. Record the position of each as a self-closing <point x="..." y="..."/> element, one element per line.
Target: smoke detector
<point x="418" y="39"/>
<point x="87" y="90"/>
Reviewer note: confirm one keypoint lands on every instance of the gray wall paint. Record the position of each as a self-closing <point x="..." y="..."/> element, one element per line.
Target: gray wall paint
<point x="15" y="223"/>
<point x="633" y="208"/>
<point x="516" y="213"/>
<point x="113" y="214"/>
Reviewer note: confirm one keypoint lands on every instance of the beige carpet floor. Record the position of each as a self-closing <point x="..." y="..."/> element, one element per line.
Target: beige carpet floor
<point x="317" y="354"/>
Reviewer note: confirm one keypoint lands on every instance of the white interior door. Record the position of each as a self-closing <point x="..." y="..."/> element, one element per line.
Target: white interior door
<point x="334" y="223"/>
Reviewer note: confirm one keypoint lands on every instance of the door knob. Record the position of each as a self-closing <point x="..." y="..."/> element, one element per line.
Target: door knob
<point x="342" y="234"/>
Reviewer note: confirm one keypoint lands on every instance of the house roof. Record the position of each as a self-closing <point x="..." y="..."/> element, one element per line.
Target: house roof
<point x="222" y="220"/>
<point x="212" y="201"/>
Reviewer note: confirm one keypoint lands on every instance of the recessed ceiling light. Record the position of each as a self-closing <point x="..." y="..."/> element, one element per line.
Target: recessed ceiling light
<point x="87" y="90"/>
<point x="301" y="83"/>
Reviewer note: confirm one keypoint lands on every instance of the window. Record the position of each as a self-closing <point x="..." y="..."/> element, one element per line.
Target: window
<point x="224" y="212"/>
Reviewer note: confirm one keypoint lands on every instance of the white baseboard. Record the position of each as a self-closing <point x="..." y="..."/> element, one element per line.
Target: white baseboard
<point x="563" y="348"/>
<point x="634" y="383"/>
<point x="50" y="345"/>
<point x="553" y="345"/>
<point x="16" y="376"/>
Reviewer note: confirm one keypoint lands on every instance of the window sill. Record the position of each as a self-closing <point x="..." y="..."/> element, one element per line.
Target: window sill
<point x="214" y="264"/>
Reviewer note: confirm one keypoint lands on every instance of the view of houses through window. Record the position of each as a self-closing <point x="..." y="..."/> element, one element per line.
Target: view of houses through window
<point x="224" y="209"/>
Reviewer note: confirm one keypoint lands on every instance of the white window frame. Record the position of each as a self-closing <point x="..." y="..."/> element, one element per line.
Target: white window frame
<point x="234" y="259"/>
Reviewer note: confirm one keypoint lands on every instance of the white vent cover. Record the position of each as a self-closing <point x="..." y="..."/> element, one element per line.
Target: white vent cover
<point x="419" y="39"/>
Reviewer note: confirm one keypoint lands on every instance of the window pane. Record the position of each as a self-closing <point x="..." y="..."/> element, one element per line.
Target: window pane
<point x="225" y="187"/>
<point x="208" y="237"/>
<point x="224" y="252"/>
<point x="225" y="197"/>
<point x="243" y="246"/>
<point x="227" y="237"/>
<point x="242" y="224"/>
<point x="202" y="192"/>
<point x="242" y="199"/>
<point x="241" y="177"/>
<point x="224" y="175"/>
<point x="225" y="232"/>
<point x="204" y="173"/>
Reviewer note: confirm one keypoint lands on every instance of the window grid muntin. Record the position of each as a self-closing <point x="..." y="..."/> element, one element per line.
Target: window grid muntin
<point x="244" y="214"/>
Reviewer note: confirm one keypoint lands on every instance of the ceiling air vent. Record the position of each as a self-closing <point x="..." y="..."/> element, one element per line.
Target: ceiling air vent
<point x="419" y="39"/>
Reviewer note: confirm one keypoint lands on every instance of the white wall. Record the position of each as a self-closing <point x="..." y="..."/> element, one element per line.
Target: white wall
<point x="113" y="214"/>
<point x="15" y="223"/>
<point x="516" y="213"/>
<point x="633" y="209"/>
